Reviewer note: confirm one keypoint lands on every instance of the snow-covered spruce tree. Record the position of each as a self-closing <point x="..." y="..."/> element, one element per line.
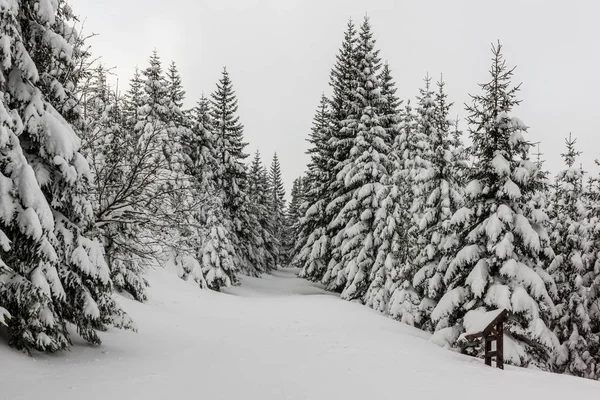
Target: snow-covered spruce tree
<point x="190" y="193"/>
<point x="438" y="196"/>
<point x="343" y="80"/>
<point x="217" y="252"/>
<point x="175" y="86"/>
<point x="210" y="236"/>
<point x="197" y="144"/>
<point x="390" y="109"/>
<point x="571" y="270"/>
<point x="377" y="295"/>
<point x="277" y="209"/>
<point x="52" y="272"/>
<point x="594" y="278"/>
<point x="231" y="177"/>
<point x="408" y="305"/>
<point x="133" y="100"/>
<point x="393" y="222"/>
<point x="260" y="196"/>
<point x="400" y="249"/>
<point x="497" y="264"/>
<point x="361" y="177"/>
<point x="311" y="243"/>
<point x="294" y="213"/>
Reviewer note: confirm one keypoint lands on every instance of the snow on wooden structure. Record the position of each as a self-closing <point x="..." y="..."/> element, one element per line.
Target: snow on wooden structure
<point x="490" y="326"/>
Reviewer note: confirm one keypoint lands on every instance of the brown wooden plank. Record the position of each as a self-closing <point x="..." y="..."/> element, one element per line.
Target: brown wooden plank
<point x="500" y="345"/>
<point x="488" y="348"/>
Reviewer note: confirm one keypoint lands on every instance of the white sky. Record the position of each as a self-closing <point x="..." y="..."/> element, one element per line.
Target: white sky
<point x="279" y="54"/>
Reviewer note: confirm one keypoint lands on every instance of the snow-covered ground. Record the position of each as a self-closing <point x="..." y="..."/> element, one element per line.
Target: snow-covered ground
<point x="277" y="338"/>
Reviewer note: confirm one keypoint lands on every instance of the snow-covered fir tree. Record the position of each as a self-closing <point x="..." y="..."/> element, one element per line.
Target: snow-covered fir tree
<point x="53" y="272"/>
<point x="377" y="295"/>
<point x="311" y="247"/>
<point x="390" y="109"/>
<point x="399" y="225"/>
<point x="438" y="196"/>
<point x="277" y="209"/>
<point x="335" y="152"/>
<point x="571" y="270"/>
<point x="497" y="265"/>
<point x="593" y="280"/>
<point x="260" y="196"/>
<point x="361" y="177"/>
<point x="231" y="178"/>
<point x="175" y="86"/>
<point x="387" y="292"/>
<point x="294" y="213"/>
<point x="408" y="305"/>
<point x="217" y="253"/>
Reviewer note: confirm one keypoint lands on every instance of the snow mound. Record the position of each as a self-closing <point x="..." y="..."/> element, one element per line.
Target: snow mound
<point x="273" y="338"/>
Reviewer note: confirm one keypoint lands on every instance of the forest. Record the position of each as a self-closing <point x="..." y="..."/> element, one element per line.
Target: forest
<point x="428" y="219"/>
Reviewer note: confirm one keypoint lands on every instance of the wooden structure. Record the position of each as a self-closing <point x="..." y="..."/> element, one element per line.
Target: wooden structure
<point x="492" y="332"/>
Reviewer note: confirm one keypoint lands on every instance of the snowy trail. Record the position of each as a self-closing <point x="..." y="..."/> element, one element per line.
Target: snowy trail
<point x="278" y="337"/>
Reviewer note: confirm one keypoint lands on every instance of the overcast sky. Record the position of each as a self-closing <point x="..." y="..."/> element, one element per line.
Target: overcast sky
<point x="279" y="54"/>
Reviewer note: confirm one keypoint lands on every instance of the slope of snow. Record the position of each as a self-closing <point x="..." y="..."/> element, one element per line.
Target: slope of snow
<point x="273" y="338"/>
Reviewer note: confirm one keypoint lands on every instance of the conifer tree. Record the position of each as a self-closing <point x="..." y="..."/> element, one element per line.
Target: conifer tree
<point x="571" y="269"/>
<point x="293" y="215"/>
<point x="323" y="256"/>
<point x="277" y="209"/>
<point x="388" y="289"/>
<point x="390" y="109"/>
<point x="133" y="100"/>
<point x="361" y="177"/>
<point x="217" y="252"/>
<point x="53" y="271"/>
<point x="389" y="213"/>
<point x="312" y="244"/>
<point x="231" y="177"/>
<point x="175" y="86"/>
<point x="497" y="265"/>
<point x="437" y="199"/>
<point x="260" y="196"/>
<point x="593" y="280"/>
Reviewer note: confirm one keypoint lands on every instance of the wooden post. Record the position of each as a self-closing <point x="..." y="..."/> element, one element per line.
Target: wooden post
<point x="488" y="349"/>
<point x="500" y="345"/>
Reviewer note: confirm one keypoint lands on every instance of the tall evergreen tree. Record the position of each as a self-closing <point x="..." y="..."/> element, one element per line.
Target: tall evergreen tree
<point x="342" y="81"/>
<point x="53" y="271"/>
<point x="277" y="208"/>
<point x="571" y="270"/>
<point x="231" y="177"/>
<point x="593" y="280"/>
<point x="311" y="245"/>
<point x="499" y="246"/>
<point x="437" y="199"/>
<point x="390" y="108"/>
<point x="361" y="177"/>
<point x="175" y="86"/>
<point x="294" y="213"/>
<point x="260" y="193"/>
<point x="389" y="288"/>
<point x="133" y="100"/>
